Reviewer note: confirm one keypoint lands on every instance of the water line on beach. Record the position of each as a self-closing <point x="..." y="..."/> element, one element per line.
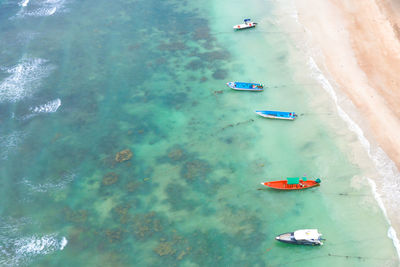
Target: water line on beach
<point x="318" y="75"/>
<point x="379" y="161"/>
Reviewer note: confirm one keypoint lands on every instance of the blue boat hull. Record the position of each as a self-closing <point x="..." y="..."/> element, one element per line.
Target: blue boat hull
<point x="240" y="86"/>
<point x="281" y="115"/>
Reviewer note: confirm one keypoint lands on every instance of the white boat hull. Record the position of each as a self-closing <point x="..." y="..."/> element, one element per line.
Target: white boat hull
<point x="275" y="117"/>
<point x="245" y="26"/>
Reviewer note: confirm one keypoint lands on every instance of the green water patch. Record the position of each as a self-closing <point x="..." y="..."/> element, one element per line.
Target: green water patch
<point x="166" y="160"/>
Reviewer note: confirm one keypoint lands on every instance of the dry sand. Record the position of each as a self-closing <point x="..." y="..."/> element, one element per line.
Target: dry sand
<point x="361" y="50"/>
<point x="359" y="44"/>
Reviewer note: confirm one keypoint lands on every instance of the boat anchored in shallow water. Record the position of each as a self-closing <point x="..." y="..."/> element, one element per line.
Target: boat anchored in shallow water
<point x="301" y="237"/>
<point x="294" y="183"/>
<point x="246" y="86"/>
<point x="246" y="25"/>
<point x="282" y="115"/>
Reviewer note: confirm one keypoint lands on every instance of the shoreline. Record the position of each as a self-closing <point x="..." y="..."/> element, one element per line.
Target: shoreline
<point x="357" y="45"/>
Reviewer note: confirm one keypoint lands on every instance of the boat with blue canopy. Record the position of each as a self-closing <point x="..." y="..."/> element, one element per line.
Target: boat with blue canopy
<point x="241" y="86"/>
<point x="282" y="115"/>
<point x="246" y="25"/>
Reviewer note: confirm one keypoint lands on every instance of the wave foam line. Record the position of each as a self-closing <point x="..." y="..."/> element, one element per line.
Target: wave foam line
<point x="49" y="107"/>
<point x="40" y="8"/>
<point x="44" y="187"/>
<point x="18" y="251"/>
<point x="24" y="78"/>
<point x="383" y="163"/>
<point x="391" y="232"/>
<point x="24" y="3"/>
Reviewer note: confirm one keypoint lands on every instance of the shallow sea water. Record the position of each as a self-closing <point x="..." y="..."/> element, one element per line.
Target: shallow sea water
<point x="150" y="76"/>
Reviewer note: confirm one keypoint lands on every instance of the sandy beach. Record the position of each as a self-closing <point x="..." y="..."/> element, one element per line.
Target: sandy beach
<point x="357" y="44"/>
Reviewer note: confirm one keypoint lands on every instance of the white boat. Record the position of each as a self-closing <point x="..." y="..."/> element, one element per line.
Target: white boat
<point x="246" y="25"/>
<point x="301" y="237"/>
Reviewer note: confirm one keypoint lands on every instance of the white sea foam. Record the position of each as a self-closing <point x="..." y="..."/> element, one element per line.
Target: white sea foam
<point x="384" y="165"/>
<point x="40" y="244"/>
<point x="24" y="3"/>
<point x="49" y="107"/>
<point x="45" y="187"/>
<point x="10" y="142"/>
<point x="24" y="78"/>
<point x="391" y="232"/>
<point x="40" y="8"/>
<point x="17" y="251"/>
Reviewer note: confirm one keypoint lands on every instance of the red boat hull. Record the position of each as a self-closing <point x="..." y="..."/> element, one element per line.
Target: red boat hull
<point x="283" y="185"/>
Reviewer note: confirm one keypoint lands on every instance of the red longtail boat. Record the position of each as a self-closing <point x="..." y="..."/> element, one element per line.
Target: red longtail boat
<point x="293" y="183"/>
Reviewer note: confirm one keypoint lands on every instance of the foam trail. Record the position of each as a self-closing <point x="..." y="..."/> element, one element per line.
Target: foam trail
<point x="391" y="232"/>
<point x="49" y="107"/>
<point x="384" y="165"/>
<point x="45" y="187"/>
<point x="21" y="251"/>
<point x="40" y="245"/>
<point x="24" y="3"/>
<point x="41" y="8"/>
<point x="17" y="249"/>
<point x="24" y="78"/>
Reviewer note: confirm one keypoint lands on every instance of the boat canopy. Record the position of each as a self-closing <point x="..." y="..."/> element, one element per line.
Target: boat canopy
<point x="294" y="180"/>
<point x="246" y="20"/>
<point x="304" y="179"/>
<point x="307" y="234"/>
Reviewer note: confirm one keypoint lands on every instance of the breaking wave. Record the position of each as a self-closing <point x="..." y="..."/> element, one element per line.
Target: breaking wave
<point x="24" y="78"/>
<point x="17" y="251"/>
<point x="40" y="8"/>
<point x="47" y="186"/>
<point x="24" y="3"/>
<point x="49" y="107"/>
<point x="384" y="165"/>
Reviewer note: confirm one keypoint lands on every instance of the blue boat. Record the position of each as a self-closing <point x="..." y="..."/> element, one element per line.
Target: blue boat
<point x="246" y="86"/>
<point x="282" y="115"/>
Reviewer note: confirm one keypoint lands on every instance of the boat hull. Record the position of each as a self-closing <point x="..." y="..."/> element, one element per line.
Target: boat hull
<point x="289" y="239"/>
<point x="239" y="86"/>
<point x="245" y="26"/>
<point x="278" y="115"/>
<point x="283" y="185"/>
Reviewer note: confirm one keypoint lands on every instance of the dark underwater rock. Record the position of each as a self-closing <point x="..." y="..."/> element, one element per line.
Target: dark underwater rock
<point x="123" y="155"/>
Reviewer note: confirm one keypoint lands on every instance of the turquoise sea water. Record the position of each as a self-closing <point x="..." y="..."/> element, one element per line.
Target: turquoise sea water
<point x="82" y="80"/>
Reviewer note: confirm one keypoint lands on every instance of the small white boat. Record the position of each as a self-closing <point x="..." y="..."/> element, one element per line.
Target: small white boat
<point x="246" y="25"/>
<point x="301" y="237"/>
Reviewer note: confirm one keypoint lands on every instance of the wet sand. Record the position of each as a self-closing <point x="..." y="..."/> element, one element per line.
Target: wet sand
<point x="361" y="51"/>
<point x="356" y="44"/>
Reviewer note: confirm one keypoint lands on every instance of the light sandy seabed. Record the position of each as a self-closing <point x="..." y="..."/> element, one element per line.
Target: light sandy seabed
<point x="358" y="47"/>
